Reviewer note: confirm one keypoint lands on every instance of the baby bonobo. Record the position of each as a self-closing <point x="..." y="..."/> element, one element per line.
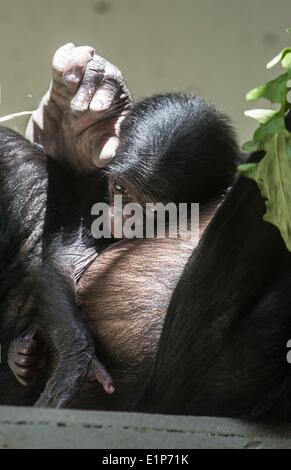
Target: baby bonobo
<point x="169" y="148"/>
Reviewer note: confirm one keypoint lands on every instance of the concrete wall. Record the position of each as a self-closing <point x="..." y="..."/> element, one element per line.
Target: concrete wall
<point x="22" y="428"/>
<point x="218" y="47"/>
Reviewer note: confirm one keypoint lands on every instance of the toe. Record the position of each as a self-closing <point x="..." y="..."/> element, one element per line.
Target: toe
<point x="22" y="346"/>
<point x="24" y="372"/>
<point x="92" y="78"/>
<point x="76" y="66"/>
<point x="25" y="360"/>
<point x="98" y="372"/>
<point x="26" y="382"/>
<point x="30" y="333"/>
<point x="60" y="60"/>
<point x="104" y="96"/>
<point x="107" y="153"/>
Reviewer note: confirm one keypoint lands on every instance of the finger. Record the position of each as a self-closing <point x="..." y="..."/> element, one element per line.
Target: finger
<point x="104" y="96"/>
<point x="102" y="101"/>
<point x="25" y="361"/>
<point x="92" y="78"/>
<point x="22" y="346"/>
<point x="110" y="88"/>
<point x="26" y="382"/>
<point x="98" y="372"/>
<point x="60" y="60"/>
<point x="113" y="72"/>
<point x="76" y="66"/>
<point x="24" y="372"/>
<point x="29" y="334"/>
<point x="108" y="152"/>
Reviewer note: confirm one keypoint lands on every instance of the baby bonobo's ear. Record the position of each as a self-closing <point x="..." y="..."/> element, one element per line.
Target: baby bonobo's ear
<point x="78" y="119"/>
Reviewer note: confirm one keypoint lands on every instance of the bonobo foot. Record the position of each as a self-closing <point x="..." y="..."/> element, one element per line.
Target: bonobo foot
<point x="78" y="119"/>
<point x="66" y="382"/>
<point x="26" y="357"/>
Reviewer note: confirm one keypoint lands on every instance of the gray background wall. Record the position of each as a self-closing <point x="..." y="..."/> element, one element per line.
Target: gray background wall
<point x="218" y="48"/>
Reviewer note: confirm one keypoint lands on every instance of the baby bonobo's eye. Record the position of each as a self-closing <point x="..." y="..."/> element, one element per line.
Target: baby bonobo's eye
<point x="119" y="189"/>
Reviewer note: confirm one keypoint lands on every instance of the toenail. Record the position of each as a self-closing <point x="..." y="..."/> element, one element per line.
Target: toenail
<point x="98" y="105"/>
<point x="71" y="78"/>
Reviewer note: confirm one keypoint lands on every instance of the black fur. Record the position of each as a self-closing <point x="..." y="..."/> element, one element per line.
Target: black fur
<point x="288" y="120"/>
<point x="223" y="349"/>
<point x="177" y="148"/>
<point x="44" y="238"/>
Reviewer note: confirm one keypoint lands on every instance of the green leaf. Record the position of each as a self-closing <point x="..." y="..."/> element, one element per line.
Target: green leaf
<point x="286" y="62"/>
<point x="261" y="115"/>
<point x="252" y="146"/>
<point x="278" y="57"/>
<point x="288" y="30"/>
<point x="273" y="126"/>
<point x="273" y="175"/>
<point x="274" y="91"/>
<point x="247" y="168"/>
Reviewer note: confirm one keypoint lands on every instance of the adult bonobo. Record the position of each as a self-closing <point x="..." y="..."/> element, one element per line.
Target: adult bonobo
<point x="222" y="349"/>
<point x="164" y="154"/>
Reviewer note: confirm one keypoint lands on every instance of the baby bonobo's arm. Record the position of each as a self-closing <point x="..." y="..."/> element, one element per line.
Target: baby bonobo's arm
<point x="78" y="119"/>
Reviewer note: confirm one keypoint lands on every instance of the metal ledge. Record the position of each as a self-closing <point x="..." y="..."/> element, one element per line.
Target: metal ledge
<point x="29" y="428"/>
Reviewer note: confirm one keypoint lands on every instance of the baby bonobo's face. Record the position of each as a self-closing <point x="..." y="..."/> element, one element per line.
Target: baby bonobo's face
<point x="122" y="192"/>
<point x="130" y="192"/>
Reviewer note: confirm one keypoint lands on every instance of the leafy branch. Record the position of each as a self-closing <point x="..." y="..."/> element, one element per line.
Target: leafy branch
<point x="273" y="173"/>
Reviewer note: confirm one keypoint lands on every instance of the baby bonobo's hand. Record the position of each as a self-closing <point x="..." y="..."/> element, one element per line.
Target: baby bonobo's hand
<point x="78" y="120"/>
<point x="26" y="356"/>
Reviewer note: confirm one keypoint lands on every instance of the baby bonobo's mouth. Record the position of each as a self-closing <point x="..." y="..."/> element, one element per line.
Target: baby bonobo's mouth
<point x="116" y="224"/>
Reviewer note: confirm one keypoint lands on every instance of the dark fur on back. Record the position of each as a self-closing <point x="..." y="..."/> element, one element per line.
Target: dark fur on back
<point x="229" y="320"/>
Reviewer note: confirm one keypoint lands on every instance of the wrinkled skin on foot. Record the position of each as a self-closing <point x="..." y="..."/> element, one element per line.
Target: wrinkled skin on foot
<point x="71" y="374"/>
<point x="78" y="120"/>
<point x="27" y="356"/>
